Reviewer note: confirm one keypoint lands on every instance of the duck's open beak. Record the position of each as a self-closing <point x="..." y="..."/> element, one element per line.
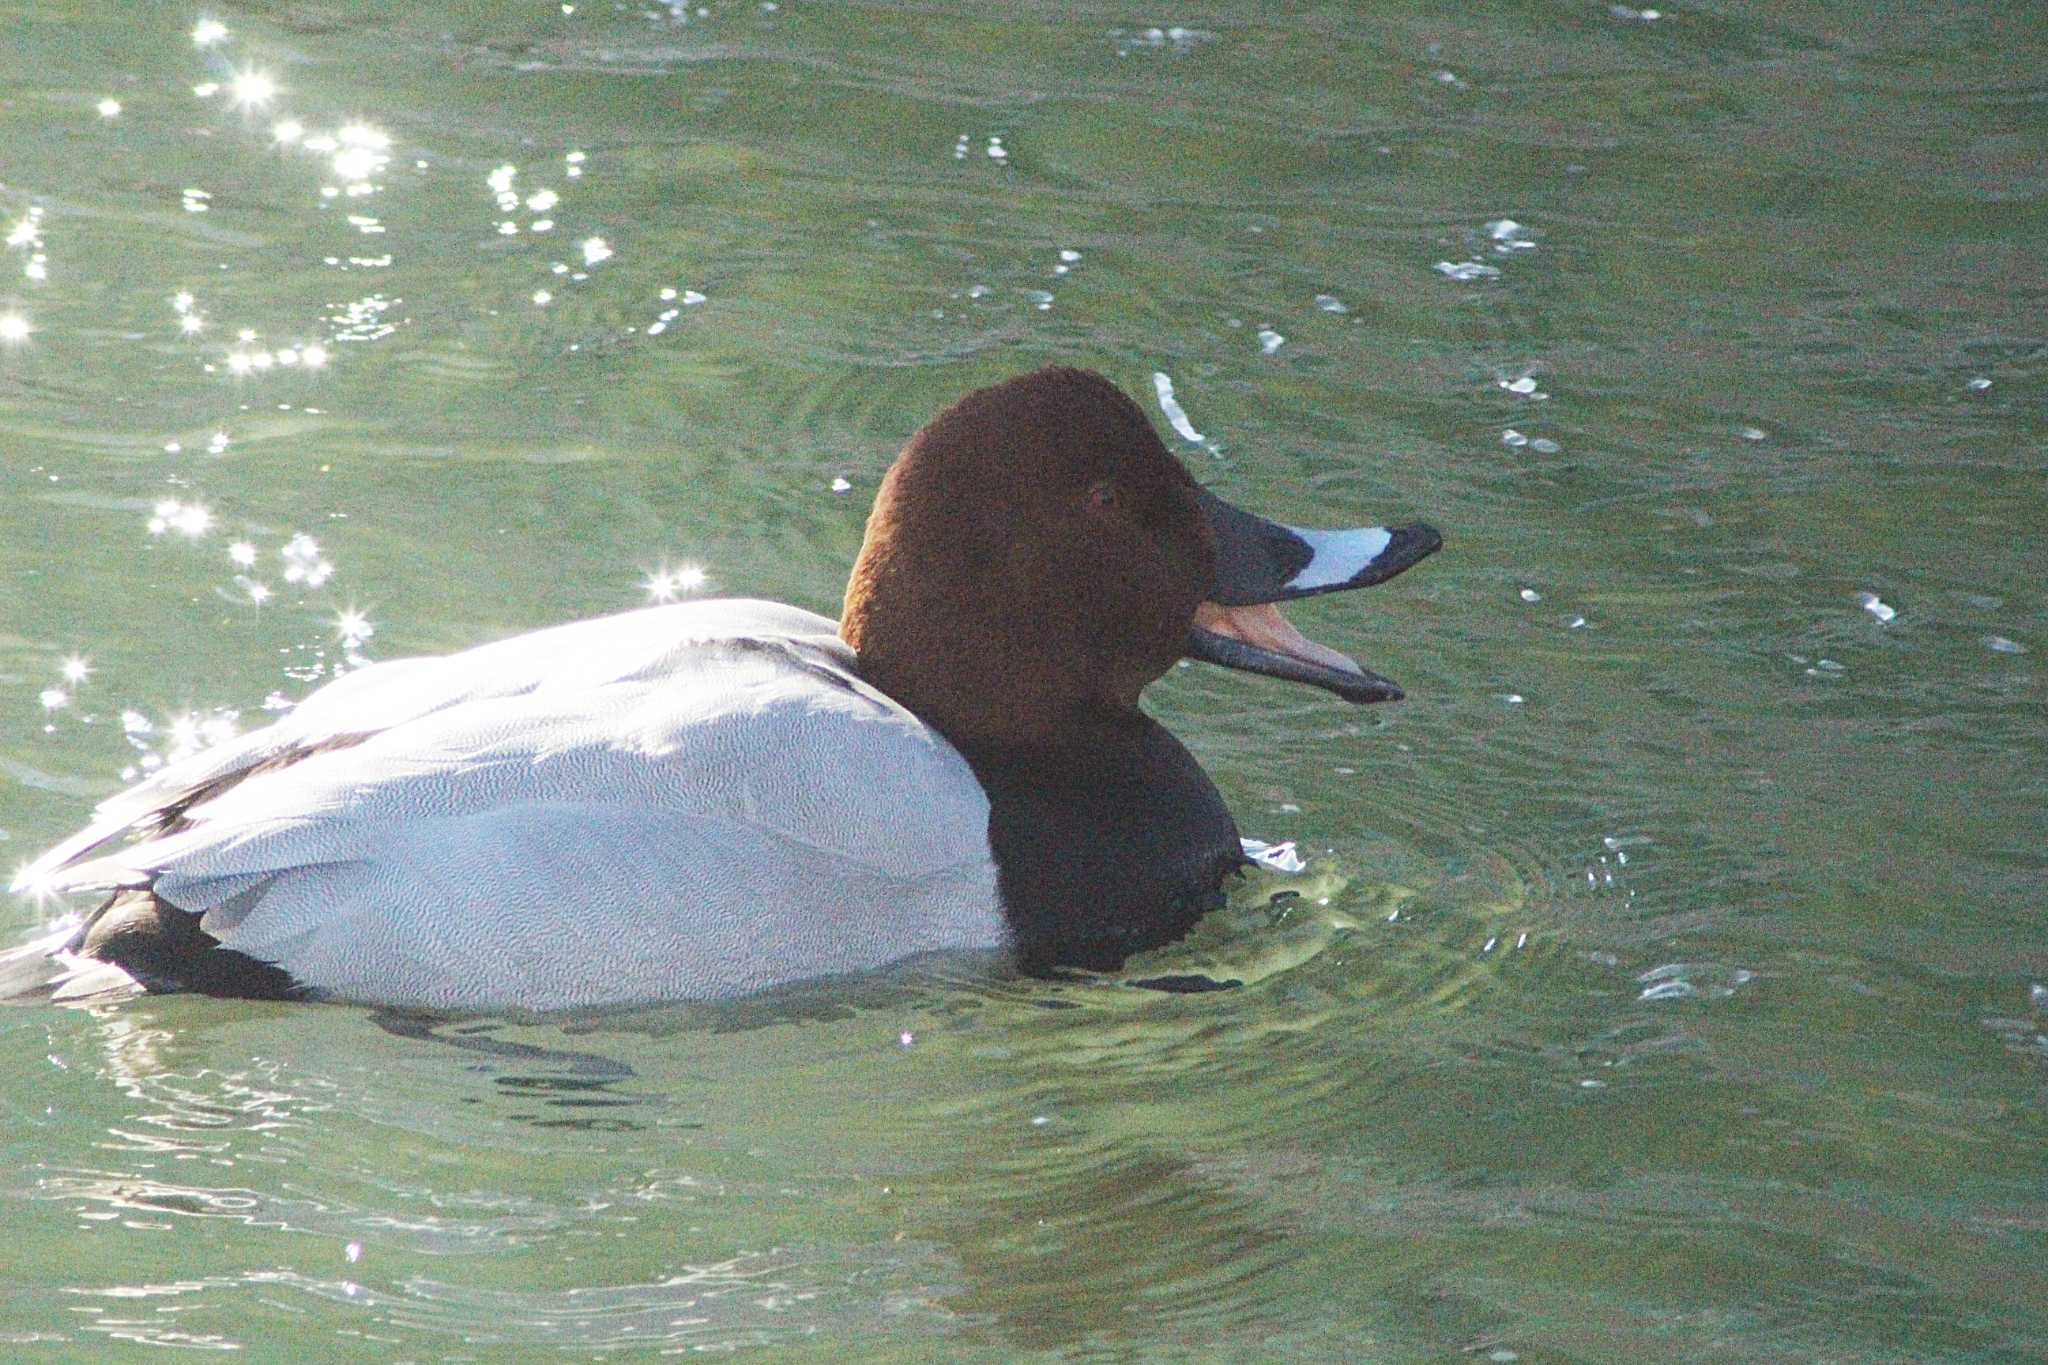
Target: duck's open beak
<point x="1260" y="562"/>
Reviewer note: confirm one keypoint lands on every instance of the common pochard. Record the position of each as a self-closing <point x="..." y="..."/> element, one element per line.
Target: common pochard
<point x="708" y="799"/>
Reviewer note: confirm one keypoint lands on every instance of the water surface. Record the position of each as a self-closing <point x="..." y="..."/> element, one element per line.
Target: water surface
<point x="1666" y="975"/>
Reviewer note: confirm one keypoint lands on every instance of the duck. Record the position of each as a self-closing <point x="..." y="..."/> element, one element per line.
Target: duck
<point x="711" y="799"/>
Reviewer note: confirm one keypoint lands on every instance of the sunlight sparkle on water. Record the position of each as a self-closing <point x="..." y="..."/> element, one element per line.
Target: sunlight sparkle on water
<point x="110" y="108"/>
<point x="252" y="88"/>
<point x="243" y="553"/>
<point x="357" y="163"/>
<point x="77" y="669"/>
<point x="595" y="249"/>
<point x="665" y="584"/>
<point x="187" y="518"/>
<point x="288" y="131"/>
<point x="207" y="32"/>
<point x="303" y="563"/>
<point x="14" y="327"/>
<point x="353" y="627"/>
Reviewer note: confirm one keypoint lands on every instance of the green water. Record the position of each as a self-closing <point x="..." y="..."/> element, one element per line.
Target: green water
<point x="1663" y="980"/>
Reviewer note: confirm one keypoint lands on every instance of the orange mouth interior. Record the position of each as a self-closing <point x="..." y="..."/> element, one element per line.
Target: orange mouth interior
<point x="1263" y="627"/>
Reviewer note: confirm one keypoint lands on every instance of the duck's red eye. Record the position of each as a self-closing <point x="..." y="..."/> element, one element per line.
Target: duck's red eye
<point x="1102" y="497"/>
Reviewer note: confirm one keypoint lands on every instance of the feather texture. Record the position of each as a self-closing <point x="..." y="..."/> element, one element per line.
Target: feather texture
<point x="692" y="801"/>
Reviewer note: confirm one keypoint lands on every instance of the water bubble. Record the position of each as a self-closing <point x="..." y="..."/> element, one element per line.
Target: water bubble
<point x="1512" y="438"/>
<point x="1531" y="595"/>
<point x="1508" y="235"/>
<point x="1543" y="445"/>
<point x="2003" y="645"/>
<point x="1330" y="303"/>
<point x="1270" y="341"/>
<point x="1467" y="270"/>
<point x="1876" y="606"/>
<point x="1168" y="404"/>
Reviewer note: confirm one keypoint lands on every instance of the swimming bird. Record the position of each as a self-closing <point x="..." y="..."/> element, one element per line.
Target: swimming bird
<point x="709" y="799"/>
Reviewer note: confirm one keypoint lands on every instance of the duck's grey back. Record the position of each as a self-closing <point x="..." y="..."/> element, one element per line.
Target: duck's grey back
<point x="687" y="802"/>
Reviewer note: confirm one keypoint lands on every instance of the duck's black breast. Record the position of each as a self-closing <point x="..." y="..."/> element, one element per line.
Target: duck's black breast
<point x="1105" y="848"/>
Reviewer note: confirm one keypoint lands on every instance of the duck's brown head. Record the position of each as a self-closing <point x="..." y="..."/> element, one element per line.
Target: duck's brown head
<point x="1036" y="555"/>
